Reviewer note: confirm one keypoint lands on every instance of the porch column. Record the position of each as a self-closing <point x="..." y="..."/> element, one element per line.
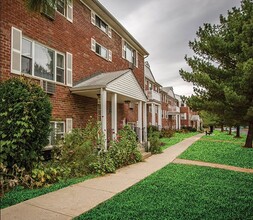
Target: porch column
<point x="114" y="116"/>
<point x="179" y="121"/>
<point x="153" y="113"/>
<point x="104" y="115"/>
<point x="140" y="120"/>
<point x="145" y="122"/>
<point x="159" y="117"/>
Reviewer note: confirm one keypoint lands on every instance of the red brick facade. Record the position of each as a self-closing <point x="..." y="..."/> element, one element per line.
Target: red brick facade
<point x="75" y="38"/>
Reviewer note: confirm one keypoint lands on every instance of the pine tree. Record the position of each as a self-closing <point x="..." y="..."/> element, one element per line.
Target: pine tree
<point x="222" y="67"/>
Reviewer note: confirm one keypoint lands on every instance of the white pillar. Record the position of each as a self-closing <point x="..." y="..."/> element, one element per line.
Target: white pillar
<point x="140" y="120"/>
<point x="114" y="116"/>
<point x="145" y="122"/>
<point x="153" y="113"/>
<point x="159" y="116"/>
<point x="104" y="115"/>
<point x="179" y="121"/>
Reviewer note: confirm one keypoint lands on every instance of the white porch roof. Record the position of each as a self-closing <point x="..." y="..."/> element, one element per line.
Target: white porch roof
<point x="122" y="82"/>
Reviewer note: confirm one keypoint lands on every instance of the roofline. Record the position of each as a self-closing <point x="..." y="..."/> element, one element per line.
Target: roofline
<point x="96" y="6"/>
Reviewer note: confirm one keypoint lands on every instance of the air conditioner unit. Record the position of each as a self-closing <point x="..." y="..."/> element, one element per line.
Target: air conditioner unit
<point x="48" y="9"/>
<point x="48" y="87"/>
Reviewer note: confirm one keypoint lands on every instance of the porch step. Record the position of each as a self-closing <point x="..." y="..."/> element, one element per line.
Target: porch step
<point x="145" y="155"/>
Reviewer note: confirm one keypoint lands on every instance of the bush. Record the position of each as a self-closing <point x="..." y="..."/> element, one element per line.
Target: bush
<point x="124" y="150"/>
<point x="188" y="129"/>
<point x="167" y="133"/>
<point x="25" y="113"/>
<point x="79" y="149"/>
<point x="155" y="143"/>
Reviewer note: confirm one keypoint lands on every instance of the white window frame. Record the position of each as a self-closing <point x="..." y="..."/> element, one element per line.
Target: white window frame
<point x="68" y="9"/>
<point x="94" y="45"/>
<point x="95" y="18"/>
<point x="55" y="61"/>
<point x="134" y="53"/>
<point x="55" y="130"/>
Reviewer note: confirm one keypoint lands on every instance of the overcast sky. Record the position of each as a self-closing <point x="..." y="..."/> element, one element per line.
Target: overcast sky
<point x="164" y="28"/>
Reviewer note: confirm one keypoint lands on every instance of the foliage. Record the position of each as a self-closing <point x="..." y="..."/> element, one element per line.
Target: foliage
<point x="79" y="148"/>
<point x="20" y="194"/>
<point x="167" y="133"/>
<point x="103" y="164"/>
<point x="154" y="139"/>
<point x="14" y="176"/>
<point x="188" y="129"/>
<point x="220" y="148"/>
<point x="222" y="68"/>
<point x="182" y="192"/>
<point x="25" y="113"/>
<point x="46" y="174"/>
<point x="122" y="152"/>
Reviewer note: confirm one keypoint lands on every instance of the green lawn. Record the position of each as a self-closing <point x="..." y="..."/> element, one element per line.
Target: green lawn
<point x="19" y="194"/>
<point x="220" y="148"/>
<point x="182" y="192"/>
<point x="178" y="137"/>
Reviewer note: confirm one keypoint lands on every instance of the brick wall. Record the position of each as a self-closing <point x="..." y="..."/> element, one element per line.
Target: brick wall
<point x="65" y="36"/>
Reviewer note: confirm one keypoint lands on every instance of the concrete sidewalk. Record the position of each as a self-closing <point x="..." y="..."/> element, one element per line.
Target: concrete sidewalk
<point x="74" y="200"/>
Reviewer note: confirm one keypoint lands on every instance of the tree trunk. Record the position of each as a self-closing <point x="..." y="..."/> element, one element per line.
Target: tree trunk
<point x="211" y="128"/>
<point x="222" y="128"/>
<point x="249" y="138"/>
<point x="230" y="131"/>
<point x="238" y="132"/>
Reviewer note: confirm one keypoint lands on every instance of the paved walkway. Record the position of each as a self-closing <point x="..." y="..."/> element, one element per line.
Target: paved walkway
<point x="214" y="165"/>
<point x="76" y="199"/>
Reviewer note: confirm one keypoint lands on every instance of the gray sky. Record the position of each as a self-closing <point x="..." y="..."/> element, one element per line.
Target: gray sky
<point x="164" y="28"/>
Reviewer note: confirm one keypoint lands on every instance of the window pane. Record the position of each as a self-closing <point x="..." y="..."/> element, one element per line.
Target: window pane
<point x="98" y="48"/>
<point x="60" y="75"/>
<point x="61" y="6"/>
<point x="26" y="48"/>
<point x="60" y="60"/>
<point x="129" y="56"/>
<point x="26" y="65"/>
<point x="103" y="52"/>
<point x="60" y="127"/>
<point x="44" y="62"/>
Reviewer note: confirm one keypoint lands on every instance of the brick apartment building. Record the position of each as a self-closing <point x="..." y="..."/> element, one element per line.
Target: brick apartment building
<point x="89" y="65"/>
<point x="84" y="59"/>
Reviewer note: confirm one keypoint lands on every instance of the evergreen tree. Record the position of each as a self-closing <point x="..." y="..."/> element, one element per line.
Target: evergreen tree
<point x="222" y="67"/>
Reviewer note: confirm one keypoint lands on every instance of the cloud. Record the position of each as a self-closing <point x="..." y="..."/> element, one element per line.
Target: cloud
<point x="164" y="28"/>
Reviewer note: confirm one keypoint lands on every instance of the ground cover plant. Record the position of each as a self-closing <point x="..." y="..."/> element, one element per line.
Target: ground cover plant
<point x="220" y="148"/>
<point x="176" y="138"/>
<point x="182" y="192"/>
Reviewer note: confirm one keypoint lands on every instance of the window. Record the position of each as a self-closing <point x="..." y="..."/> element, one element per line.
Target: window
<point x="97" y="21"/>
<point x="57" y="132"/>
<point x="44" y="63"/>
<point x="100" y="50"/>
<point x="26" y="60"/>
<point x="60" y="6"/>
<point x="30" y="57"/>
<point x="65" y="8"/>
<point x="129" y="53"/>
<point x="150" y="86"/>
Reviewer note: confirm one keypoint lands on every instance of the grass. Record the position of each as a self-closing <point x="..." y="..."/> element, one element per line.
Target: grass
<point x="178" y="137"/>
<point x="220" y="148"/>
<point x="182" y="192"/>
<point x="20" y="194"/>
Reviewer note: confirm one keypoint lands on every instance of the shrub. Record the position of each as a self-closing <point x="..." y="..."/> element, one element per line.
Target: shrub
<point x="104" y="164"/>
<point x="79" y="148"/>
<point x="25" y="113"/>
<point x="167" y="133"/>
<point x="124" y="150"/>
<point x="14" y="176"/>
<point x="155" y="143"/>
